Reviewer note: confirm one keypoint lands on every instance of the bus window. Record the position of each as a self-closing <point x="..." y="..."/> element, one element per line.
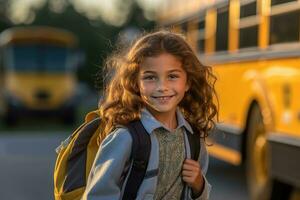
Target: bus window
<point x="201" y="36"/>
<point x="248" y="37"/>
<point x="248" y="25"/>
<point x="42" y="58"/>
<point x="276" y="2"/>
<point x="285" y="27"/>
<point x="222" y="29"/>
<point x="248" y="9"/>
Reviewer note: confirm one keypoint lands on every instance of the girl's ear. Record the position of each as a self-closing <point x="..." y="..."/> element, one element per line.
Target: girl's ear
<point x="136" y="88"/>
<point x="187" y="87"/>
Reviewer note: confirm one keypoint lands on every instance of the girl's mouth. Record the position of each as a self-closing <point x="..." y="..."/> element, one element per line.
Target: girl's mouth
<point x="163" y="98"/>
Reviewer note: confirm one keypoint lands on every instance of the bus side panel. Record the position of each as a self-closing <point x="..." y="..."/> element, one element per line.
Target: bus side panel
<point x="237" y="88"/>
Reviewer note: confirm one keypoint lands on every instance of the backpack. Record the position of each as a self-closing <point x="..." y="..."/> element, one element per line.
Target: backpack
<point x="76" y="155"/>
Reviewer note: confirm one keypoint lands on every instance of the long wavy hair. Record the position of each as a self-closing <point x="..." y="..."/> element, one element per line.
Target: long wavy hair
<point x="122" y="103"/>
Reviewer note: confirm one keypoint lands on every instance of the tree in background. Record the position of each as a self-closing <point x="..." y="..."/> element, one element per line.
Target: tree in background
<point x="4" y="21"/>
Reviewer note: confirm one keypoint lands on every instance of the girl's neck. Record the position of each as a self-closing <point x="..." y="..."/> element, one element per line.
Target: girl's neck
<point x="168" y="119"/>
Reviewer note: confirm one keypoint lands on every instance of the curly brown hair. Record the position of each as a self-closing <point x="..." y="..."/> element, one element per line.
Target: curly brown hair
<point x="121" y="101"/>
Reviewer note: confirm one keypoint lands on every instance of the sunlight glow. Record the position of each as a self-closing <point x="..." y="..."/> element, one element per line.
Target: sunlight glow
<point x="114" y="12"/>
<point x="20" y="11"/>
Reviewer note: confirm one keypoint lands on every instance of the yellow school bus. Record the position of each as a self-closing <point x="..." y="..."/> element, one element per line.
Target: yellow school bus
<point x="254" y="49"/>
<point x="38" y="66"/>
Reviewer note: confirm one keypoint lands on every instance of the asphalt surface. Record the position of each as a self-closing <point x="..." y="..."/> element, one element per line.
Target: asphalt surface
<point x="228" y="181"/>
<point x="27" y="162"/>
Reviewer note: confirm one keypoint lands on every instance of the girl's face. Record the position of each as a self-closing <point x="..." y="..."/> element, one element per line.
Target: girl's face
<point x="162" y="83"/>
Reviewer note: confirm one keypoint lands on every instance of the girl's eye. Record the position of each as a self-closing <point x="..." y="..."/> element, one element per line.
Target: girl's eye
<point x="149" y="78"/>
<point x="173" y="76"/>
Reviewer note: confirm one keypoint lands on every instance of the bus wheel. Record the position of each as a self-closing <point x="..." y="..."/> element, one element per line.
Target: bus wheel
<point x="258" y="177"/>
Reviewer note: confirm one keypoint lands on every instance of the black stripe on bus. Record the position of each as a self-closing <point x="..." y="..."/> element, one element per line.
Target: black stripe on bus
<point x="284" y="159"/>
<point x="227" y="138"/>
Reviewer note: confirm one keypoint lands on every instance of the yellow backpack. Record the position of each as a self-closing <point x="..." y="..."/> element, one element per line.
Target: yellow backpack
<point x="83" y="141"/>
<point x="76" y="155"/>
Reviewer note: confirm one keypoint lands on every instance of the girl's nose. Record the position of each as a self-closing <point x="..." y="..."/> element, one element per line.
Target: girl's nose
<point x="162" y="86"/>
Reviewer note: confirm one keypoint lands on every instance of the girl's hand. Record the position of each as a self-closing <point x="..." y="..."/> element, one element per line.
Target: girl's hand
<point x="192" y="175"/>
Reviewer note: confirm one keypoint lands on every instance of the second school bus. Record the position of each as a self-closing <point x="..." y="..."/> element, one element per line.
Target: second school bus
<point x="254" y="49"/>
<point x="38" y="72"/>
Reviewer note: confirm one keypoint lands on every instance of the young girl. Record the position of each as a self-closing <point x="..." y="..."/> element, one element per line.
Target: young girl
<point x="161" y="82"/>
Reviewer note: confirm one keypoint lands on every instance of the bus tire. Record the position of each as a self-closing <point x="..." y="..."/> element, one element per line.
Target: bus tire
<point x="258" y="176"/>
<point x="261" y="185"/>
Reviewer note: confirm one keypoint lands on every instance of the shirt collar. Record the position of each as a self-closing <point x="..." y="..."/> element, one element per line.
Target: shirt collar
<point x="151" y="123"/>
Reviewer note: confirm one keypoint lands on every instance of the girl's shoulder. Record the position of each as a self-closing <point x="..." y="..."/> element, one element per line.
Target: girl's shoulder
<point x="119" y="136"/>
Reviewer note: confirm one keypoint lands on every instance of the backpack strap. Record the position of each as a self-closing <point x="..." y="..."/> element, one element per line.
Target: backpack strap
<point x="140" y="153"/>
<point x="194" y="141"/>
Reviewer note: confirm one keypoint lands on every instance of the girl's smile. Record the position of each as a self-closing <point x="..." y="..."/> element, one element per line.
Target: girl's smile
<point x="163" y="99"/>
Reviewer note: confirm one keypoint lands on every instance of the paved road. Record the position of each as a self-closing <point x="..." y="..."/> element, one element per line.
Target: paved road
<point x="27" y="162"/>
<point x="26" y="165"/>
<point x="228" y="181"/>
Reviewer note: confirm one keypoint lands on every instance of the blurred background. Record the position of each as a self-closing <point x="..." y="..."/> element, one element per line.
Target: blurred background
<point x="51" y="59"/>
